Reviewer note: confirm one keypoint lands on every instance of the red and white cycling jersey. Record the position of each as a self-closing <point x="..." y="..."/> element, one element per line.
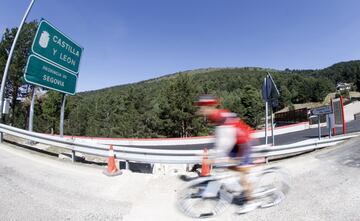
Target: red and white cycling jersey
<point x="230" y="130"/>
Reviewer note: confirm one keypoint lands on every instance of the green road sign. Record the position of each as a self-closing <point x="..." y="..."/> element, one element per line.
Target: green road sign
<point x="42" y="73"/>
<point x="52" y="45"/>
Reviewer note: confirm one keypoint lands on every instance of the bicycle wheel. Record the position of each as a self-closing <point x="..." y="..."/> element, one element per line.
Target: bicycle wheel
<point x="191" y="202"/>
<point x="272" y="185"/>
<point x="272" y="199"/>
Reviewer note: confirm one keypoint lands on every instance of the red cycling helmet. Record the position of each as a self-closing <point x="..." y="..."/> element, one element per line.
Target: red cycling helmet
<point x="207" y="100"/>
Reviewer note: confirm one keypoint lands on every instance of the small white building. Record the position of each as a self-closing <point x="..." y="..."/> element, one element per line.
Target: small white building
<point x="343" y="86"/>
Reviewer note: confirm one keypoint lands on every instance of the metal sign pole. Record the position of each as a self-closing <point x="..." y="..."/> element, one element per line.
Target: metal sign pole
<point x="62" y="113"/>
<point x="31" y="115"/>
<point x="266" y="122"/>
<point x="319" y="132"/>
<point x="272" y="129"/>
<point x="269" y="93"/>
<point x="330" y="124"/>
<point x="2" y="89"/>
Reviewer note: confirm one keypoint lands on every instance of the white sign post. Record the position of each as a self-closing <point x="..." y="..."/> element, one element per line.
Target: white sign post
<point x="321" y="111"/>
<point x="270" y="95"/>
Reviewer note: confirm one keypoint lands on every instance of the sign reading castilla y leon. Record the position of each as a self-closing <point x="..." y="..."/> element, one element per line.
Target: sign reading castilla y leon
<point x="54" y="61"/>
<point x="50" y="44"/>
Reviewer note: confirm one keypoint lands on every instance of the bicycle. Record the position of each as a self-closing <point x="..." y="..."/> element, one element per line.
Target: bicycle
<point x="210" y="196"/>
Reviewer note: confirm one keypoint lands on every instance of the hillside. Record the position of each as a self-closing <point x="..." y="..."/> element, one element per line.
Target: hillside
<point x="339" y="72"/>
<point x="163" y="107"/>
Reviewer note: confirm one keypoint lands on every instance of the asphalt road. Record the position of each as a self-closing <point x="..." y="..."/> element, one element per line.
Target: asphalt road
<point x="325" y="186"/>
<point x="352" y="126"/>
<point x="35" y="187"/>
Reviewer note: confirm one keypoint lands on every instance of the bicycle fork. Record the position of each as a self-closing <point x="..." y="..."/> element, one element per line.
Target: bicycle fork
<point x="212" y="189"/>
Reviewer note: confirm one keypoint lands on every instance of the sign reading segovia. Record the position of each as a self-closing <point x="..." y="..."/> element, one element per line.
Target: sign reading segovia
<point x="55" y="59"/>
<point x="42" y="73"/>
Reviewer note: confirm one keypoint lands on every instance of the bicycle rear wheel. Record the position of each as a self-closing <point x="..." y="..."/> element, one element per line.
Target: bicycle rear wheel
<point x="191" y="202"/>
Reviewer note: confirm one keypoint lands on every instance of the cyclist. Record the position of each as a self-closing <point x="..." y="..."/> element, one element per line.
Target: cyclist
<point x="232" y="138"/>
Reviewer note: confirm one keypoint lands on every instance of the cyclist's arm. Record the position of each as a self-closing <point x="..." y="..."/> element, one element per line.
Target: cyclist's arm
<point x="225" y="139"/>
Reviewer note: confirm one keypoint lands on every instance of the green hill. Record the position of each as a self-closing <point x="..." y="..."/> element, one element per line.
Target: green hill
<point x="163" y="107"/>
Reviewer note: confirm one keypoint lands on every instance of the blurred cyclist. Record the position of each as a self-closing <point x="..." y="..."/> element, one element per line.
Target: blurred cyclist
<point x="232" y="138"/>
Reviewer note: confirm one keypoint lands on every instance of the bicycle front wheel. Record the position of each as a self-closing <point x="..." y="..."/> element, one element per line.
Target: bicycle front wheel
<point x="192" y="203"/>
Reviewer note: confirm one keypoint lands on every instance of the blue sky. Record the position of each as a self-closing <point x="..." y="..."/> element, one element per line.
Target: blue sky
<point x="128" y="41"/>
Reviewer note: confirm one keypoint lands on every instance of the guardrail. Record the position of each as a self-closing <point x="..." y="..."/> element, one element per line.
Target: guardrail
<point x="168" y="156"/>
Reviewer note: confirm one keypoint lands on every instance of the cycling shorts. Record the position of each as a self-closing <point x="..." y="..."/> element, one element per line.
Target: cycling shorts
<point x="242" y="152"/>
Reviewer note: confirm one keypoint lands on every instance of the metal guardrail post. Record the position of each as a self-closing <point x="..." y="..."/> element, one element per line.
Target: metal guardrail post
<point x="319" y="128"/>
<point x="73" y="156"/>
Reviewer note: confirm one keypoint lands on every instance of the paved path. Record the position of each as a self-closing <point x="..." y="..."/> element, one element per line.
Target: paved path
<point x="35" y="187"/>
<point x="325" y="186"/>
<point x="352" y="126"/>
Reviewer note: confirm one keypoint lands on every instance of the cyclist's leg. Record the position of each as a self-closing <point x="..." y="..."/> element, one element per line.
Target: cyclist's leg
<point x="244" y="181"/>
<point x="244" y="168"/>
<point x="243" y="151"/>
